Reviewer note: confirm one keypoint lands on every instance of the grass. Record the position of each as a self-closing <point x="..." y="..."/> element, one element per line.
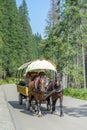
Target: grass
<point x="76" y="93"/>
<point x="8" y="81"/>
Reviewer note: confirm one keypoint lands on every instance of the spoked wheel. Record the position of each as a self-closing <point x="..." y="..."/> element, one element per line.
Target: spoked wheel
<point x="20" y="99"/>
<point x="27" y="103"/>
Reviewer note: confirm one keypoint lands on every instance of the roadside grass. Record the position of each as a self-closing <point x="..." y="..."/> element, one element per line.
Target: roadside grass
<point x="8" y="81"/>
<point x="76" y="93"/>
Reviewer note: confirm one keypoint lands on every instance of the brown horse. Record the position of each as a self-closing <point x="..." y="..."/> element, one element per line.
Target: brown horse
<point x="57" y="94"/>
<point x="37" y="92"/>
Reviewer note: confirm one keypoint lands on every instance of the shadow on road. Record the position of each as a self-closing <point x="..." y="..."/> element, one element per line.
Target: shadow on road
<point x="15" y="105"/>
<point x="80" y="111"/>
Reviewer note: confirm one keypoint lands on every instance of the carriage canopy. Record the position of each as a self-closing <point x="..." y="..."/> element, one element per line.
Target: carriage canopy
<point x="38" y="64"/>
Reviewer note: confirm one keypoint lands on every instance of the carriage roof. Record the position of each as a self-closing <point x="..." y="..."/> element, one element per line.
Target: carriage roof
<point x="38" y="65"/>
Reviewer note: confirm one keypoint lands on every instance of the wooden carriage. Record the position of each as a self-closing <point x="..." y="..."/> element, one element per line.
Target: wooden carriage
<point x="25" y="91"/>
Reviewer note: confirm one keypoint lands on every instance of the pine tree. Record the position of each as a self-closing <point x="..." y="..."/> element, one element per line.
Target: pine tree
<point x="16" y="39"/>
<point x="1" y="42"/>
<point x="70" y="33"/>
<point x="67" y="40"/>
<point x="37" y="41"/>
<point x="27" y="33"/>
<point x="9" y="33"/>
<point x="48" y="44"/>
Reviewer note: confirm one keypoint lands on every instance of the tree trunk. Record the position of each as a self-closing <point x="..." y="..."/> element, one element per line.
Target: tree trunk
<point x="84" y="72"/>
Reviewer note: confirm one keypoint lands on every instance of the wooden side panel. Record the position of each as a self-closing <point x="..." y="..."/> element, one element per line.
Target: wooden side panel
<point x="23" y="90"/>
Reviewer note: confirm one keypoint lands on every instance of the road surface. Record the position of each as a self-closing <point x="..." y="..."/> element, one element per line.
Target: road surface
<point x="75" y="114"/>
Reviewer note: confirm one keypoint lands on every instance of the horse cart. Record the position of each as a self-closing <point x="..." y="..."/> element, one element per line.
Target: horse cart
<point x="36" y="90"/>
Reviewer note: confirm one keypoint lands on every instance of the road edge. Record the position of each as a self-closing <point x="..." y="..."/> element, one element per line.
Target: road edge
<point x="9" y="119"/>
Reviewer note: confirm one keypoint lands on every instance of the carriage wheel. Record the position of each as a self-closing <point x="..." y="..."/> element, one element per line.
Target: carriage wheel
<point x="20" y="99"/>
<point x="27" y="103"/>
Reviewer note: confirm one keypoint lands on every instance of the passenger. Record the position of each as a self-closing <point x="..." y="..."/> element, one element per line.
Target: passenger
<point x="34" y="75"/>
<point x="27" y="79"/>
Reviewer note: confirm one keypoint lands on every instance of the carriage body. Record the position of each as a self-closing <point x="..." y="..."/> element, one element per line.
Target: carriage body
<point x="25" y="90"/>
<point x="22" y="90"/>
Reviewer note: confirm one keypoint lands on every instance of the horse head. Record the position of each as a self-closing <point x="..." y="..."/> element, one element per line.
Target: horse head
<point x="57" y="79"/>
<point x="43" y="84"/>
<point x="55" y="83"/>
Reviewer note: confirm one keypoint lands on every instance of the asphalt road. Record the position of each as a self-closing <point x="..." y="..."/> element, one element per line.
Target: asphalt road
<point x="75" y="114"/>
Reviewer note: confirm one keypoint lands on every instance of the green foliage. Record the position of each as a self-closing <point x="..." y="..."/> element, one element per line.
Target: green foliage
<point x="8" y="81"/>
<point x="37" y="40"/>
<point x="76" y="93"/>
<point x="66" y="38"/>
<point x="17" y="44"/>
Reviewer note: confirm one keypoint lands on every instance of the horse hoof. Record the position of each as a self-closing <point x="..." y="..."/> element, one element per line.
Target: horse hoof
<point x="52" y="112"/>
<point x="39" y="114"/>
<point x="61" y="115"/>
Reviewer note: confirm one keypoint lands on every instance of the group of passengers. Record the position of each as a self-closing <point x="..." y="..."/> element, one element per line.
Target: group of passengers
<point x="35" y="76"/>
<point x="30" y="76"/>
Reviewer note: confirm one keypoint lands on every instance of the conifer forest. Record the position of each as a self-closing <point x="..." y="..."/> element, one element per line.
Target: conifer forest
<point x="64" y="42"/>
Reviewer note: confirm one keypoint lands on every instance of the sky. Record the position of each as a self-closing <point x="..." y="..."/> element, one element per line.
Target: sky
<point x="38" y="11"/>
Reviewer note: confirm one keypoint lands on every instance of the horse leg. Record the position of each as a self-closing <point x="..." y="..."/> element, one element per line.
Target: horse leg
<point x="48" y="104"/>
<point x="39" y="109"/>
<point x="36" y="106"/>
<point x="30" y="103"/>
<point x="30" y="106"/>
<point x="61" y="106"/>
<point x="53" y="105"/>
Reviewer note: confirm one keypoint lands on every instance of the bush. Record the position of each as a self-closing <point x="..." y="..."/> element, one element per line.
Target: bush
<point x="8" y="81"/>
<point x="77" y="93"/>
